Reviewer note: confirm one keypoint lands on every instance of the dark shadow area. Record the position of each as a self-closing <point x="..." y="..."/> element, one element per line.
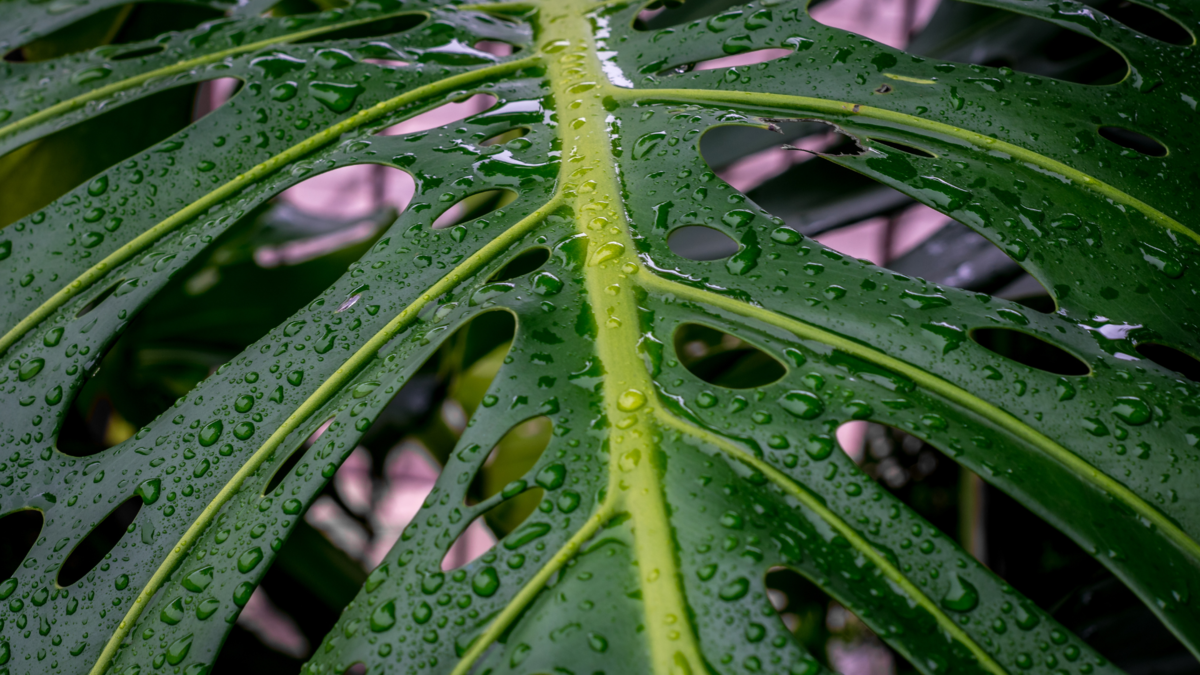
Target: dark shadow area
<point x="19" y="531"/>
<point x="204" y="317"/>
<point x="965" y="33"/>
<point x="36" y="174"/>
<point x="115" y="26"/>
<point x="523" y="264"/>
<point x="701" y="243"/>
<point x="1172" y="359"/>
<point x="371" y="29"/>
<point x="1147" y="21"/>
<point x="475" y="206"/>
<point x="102" y="539"/>
<point x="1132" y="140"/>
<point x="725" y="360"/>
<point x="1029" y="350"/>
<point x="667" y="13"/>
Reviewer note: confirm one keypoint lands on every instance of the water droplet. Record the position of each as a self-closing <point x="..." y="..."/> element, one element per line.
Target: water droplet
<point x="1131" y="410"/>
<point x="210" y="433"/>
<point x="961" y="596"/>
<point x="198" y="580"/>
<point x="803" y="404"/>
<point x="30" y="369"/>
<point x="607" y="252"/>
<point x="384" y="617"/>
<point x="485" y="582"/>
<point x="630" y="400"/>
<point x="249" y="560"/>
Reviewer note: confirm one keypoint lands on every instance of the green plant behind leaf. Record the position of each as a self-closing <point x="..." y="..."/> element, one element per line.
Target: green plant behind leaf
<point x="673" y="482"/>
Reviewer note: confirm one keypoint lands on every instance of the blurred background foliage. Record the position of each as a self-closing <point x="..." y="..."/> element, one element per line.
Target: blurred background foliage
<point x="289" y="251"/>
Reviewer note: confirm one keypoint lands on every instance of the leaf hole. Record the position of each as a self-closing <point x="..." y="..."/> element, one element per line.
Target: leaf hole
<point x="952" y="254"/>
<point x="99" y="542"/>
<point x="961" y="32"/>
<point x="825" y="627"/>
<point x="1133" y="140"/>
<point x="666" y="13"/>
<point x="441" y="116"/>
<point x="115" y="26"/>
<point x="496" y="48"/>
<point x="19" y="531"/>
<point x="905" y="148"/>
<point x="371" y="29"/>
<point x="293" y="458"/>
<point x="1148" y="21"/>
<point x="100" y="297"/>
<point x="202" y="317"/>
<point x="733" y="60"/>
<point x="1029" y="350"/>
<point x="780" y="155"/>
<point x="482" y="533"/>
<point x="1172" y="359"/>
<point x="701" y="243"/>
<point x="513" y="456"/>
<point x="502" y="138"/>
<point x="523" y="264"/>
<point x="725" y="360"/>
<point x="149" y="50"/>
<point x="475" y="206"/>
<point x="35" y="174"/>
<point x="724" y="144"/>
<point x="388" y="63"/>
<point x="356" y="669"/>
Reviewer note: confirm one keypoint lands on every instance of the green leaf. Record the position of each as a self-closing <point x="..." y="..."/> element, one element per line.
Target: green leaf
<point x="670" y="487"/>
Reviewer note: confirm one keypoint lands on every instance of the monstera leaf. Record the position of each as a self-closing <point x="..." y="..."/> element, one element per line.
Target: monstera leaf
<point x="669" y="485"/>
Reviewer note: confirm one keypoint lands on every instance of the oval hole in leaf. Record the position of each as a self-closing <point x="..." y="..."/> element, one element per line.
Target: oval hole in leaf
<point x="137" y="53"/>
<point x="926" y="244"/>
<point x="915" y="472"/>
<point x="523" y="264"/>
<point x="701" y="243"/>
<point x="333" y="210"/>
<point x="294" y="458"/>
<point x="1133" y="140"/>
<point x="1172" y="359"/>
<point x="1148" y="21"/>
<point x="502" y="138"/>
<point x="203" y="317"/>
<point x="102" y="539"/>
<point x="475" y="206"/>
<point x="497" y="48"/>
<point x="659" y="14"/>
<point x="387" y="63"/>
<point x="484" y="530"/>
<point x="513" y="456"/>
<point x="725" y="360"/>
<point x="443" y="115"/>
<point x="100" y="297"/>
<point x="731" y="61"/>
<point x="115" y="26"/>
<point x="965" y="33"/>
<point x="1029" y="350"/>
<point x="725" y="144"/>
<point x="36" y="174"/>
<point x="824" y="626"/>
<point x="370" y="29"/>
<point x="19" y="531"/>
<point x="909" y="149"/>
<point x="356" y="669"/>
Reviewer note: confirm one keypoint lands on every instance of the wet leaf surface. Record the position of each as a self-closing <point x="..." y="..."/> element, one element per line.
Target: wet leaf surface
<point x="666" y="497"/>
